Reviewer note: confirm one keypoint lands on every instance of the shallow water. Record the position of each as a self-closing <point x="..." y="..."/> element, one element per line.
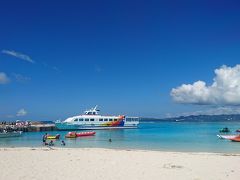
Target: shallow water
<point x="164" y="136"/>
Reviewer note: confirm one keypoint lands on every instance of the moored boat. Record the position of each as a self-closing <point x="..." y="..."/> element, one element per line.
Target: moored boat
<point x="53" y="137"/>
<point x="226" y="136"/>
<point x="10" y="134"/>
<point x="92" y="120"/>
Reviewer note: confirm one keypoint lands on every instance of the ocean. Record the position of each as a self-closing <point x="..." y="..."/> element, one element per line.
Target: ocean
<point x="163" y="136"/>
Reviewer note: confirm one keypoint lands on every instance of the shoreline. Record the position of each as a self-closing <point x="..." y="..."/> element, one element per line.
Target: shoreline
<point x="114" y="149"/>
<point x="117" y="149"/>
<point x="102" y="163"/>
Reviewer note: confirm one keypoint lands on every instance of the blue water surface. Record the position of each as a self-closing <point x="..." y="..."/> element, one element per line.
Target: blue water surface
<point x="164" y="136"/>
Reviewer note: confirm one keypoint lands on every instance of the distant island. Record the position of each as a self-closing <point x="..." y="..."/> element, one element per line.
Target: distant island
<point x="195" y="118"/>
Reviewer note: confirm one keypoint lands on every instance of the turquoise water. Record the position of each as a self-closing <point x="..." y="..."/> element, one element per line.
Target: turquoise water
<point x="164" y="136"/>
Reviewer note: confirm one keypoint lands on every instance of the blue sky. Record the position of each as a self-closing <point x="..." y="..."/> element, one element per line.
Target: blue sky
<point x="61" y="57"/>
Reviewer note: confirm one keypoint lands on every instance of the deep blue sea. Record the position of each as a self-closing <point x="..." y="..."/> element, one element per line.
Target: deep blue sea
<point x="164" y="136"/>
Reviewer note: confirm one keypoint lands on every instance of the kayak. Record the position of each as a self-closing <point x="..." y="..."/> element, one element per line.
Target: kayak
<point x="80" y="134"/>
<point x="53" y="137"/>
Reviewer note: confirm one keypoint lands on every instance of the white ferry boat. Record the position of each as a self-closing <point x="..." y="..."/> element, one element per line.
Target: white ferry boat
<point x="92" y="120"/>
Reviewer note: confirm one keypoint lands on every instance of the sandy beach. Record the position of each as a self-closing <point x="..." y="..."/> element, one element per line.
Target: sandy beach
<point x="56" y="163"/>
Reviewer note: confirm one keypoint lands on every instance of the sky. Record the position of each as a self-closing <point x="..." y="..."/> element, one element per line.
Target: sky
<point x="140" y="58"/>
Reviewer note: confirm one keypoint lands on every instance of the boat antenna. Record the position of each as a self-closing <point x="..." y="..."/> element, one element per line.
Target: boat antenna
<point x="95" y="108"/>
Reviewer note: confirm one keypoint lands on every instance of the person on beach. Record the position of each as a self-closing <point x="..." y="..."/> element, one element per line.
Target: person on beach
<point x="63" y="143"/>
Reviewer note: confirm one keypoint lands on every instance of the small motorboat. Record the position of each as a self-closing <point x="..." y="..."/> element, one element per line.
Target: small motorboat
<point x="224" y="130"/>
<point x="238" y="130"/>
<point x="226" y="136"/>
<point x="80" y="134"/>
<point x="10" y="134"/>
<point x="53" y="137"/>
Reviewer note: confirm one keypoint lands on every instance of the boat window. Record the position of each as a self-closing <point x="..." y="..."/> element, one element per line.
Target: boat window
<point x="105" y="119"/>
<point x="86" y="119"/>
<point x="128" y="119"/>
<point x="80" y="119"/>
<point x="91" y="119"/>
<point x="115" y="119"/>
<point x="75" y="120"/>
<point x="94" y="113"/>
<point x="89" y="113"/>
<point x="110" y="119"/>
<point x="100" y="119"/>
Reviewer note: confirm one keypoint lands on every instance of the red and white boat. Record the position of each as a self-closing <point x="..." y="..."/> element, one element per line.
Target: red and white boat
<point x="226" y="136"/>
<point x="235" y="138"/>
<point x="90" y="133"/>
<point x="80" y="134"/>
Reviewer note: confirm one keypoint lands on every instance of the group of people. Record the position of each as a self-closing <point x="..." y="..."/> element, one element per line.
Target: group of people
<point x="44" y="140"/>
<point x="7" y="129"/>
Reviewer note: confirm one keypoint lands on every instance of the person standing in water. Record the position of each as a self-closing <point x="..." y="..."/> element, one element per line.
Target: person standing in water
<point x="44" y="138"/>
<point x="51" y="143"/>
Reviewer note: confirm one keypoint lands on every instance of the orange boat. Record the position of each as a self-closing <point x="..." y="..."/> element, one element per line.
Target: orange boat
<point x="235" y="139"/>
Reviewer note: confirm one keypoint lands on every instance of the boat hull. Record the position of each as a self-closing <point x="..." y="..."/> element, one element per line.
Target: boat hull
<point x="226" y="136"/>
<point x="10" y="134"/>
<point x="235" y="138"/>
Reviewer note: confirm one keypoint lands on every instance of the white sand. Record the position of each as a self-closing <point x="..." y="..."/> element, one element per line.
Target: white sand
<point x="94" y="164"/>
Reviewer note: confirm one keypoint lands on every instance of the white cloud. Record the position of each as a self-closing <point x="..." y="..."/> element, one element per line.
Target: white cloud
<point x="18" y="55"/>
<point x="4" y="79"/>
<point x="21" y="112"/>
<point x="20" y="78"/>
<point x="225" y="89"/>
